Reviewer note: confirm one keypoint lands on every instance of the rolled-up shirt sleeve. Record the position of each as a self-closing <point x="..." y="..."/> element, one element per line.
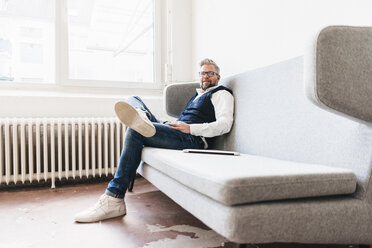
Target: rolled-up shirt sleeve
<point x="223" y="103"/>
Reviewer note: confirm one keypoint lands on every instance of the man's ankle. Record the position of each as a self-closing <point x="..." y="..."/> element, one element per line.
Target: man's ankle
<point x="118" y="196"/>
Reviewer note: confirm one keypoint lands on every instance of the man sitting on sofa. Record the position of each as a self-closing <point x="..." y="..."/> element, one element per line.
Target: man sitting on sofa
<point x="208" y="114"/>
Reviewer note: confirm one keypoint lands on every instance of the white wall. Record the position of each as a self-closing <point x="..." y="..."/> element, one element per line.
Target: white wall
<point x="241" y="35"/>
<point x="22" y="104"/>
<point x="179" y="42"/>
<point x="71" y="102"/>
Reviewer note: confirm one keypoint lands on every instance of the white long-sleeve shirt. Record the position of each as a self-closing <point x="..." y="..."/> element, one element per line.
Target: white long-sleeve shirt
<point x="223" y="103"/>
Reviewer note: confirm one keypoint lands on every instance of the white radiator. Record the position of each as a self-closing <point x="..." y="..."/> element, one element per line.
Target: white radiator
<point x="39" y="150"/>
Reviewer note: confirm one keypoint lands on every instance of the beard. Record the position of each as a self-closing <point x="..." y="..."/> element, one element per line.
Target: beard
<point x="207" y="84"/>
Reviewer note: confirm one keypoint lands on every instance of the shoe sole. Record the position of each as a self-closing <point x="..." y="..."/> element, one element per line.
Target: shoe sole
<point x="99" y="219"/>
<point x="130" y="117"/>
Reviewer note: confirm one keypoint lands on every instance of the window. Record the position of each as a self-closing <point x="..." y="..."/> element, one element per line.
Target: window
<point x="80" y="42"/>
<point x="111" y="40"/>
<point x="27" y="41"/>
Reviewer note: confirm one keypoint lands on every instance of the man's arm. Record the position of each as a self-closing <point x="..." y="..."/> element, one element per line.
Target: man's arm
<point x="223" y="103"/>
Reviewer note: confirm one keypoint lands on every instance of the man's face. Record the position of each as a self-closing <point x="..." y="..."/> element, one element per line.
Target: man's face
<point x="206" y="80"/>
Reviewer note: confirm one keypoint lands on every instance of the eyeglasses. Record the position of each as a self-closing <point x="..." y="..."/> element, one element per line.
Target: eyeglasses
<point x="209" y="73"/>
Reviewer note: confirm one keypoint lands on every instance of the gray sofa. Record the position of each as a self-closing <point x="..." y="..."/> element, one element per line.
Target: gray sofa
<point x="304" y="172"/>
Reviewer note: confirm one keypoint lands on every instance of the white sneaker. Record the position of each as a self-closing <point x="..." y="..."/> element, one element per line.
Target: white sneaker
<point x="135" y="119"/>
<point x="106" y="207"/>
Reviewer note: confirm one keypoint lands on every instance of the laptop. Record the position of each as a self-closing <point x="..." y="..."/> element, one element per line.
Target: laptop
<point x="217" y="152"/>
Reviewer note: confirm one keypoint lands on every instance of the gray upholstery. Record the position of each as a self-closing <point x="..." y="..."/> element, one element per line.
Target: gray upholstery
<point x="343" y="70"/>
<point x="177" y="96"/>
<point x="242" y="179"/>
<point x="274" y="119"/>
<point x="333" y="220"/>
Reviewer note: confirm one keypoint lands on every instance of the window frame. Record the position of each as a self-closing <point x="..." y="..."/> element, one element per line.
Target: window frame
<point x="61" y="43"/>
<point x="62" y="72"/>
<point x="61" y="78"/>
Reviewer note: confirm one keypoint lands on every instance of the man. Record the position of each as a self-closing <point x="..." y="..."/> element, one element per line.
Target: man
<point x="208" y="114"/>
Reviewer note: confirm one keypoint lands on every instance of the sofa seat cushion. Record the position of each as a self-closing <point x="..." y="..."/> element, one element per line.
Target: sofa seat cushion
<point x="246" y="178"/>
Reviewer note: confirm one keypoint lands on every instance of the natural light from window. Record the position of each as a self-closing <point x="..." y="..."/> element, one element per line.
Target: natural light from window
<point x="106" y="41"/>
<point x="111" y="40"/>
<point x="27" y="41"/>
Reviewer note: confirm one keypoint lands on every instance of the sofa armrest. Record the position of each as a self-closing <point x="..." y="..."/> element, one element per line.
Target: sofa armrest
<point x="176" y="97"/>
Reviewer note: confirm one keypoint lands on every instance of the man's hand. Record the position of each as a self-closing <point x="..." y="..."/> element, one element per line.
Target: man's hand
<point x="180" y="126"/>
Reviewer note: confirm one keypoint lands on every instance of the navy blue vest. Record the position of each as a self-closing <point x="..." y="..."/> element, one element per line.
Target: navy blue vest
<point x="201" y="110"/>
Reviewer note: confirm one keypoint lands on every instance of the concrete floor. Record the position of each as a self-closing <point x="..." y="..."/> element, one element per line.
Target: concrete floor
<point x="44" y="218"/>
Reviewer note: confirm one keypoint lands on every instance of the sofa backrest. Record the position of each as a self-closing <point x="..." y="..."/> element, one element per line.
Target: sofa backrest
<point x="273" y="118"/>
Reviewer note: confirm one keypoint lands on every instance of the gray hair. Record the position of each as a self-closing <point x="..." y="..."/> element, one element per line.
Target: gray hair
<point x="210" y="62"/>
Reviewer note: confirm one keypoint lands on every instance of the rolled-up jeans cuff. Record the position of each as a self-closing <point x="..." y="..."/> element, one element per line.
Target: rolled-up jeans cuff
<point x="109" y="193"/>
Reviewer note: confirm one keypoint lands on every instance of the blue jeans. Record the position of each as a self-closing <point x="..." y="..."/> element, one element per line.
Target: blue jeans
<point x="165" y="137"/>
